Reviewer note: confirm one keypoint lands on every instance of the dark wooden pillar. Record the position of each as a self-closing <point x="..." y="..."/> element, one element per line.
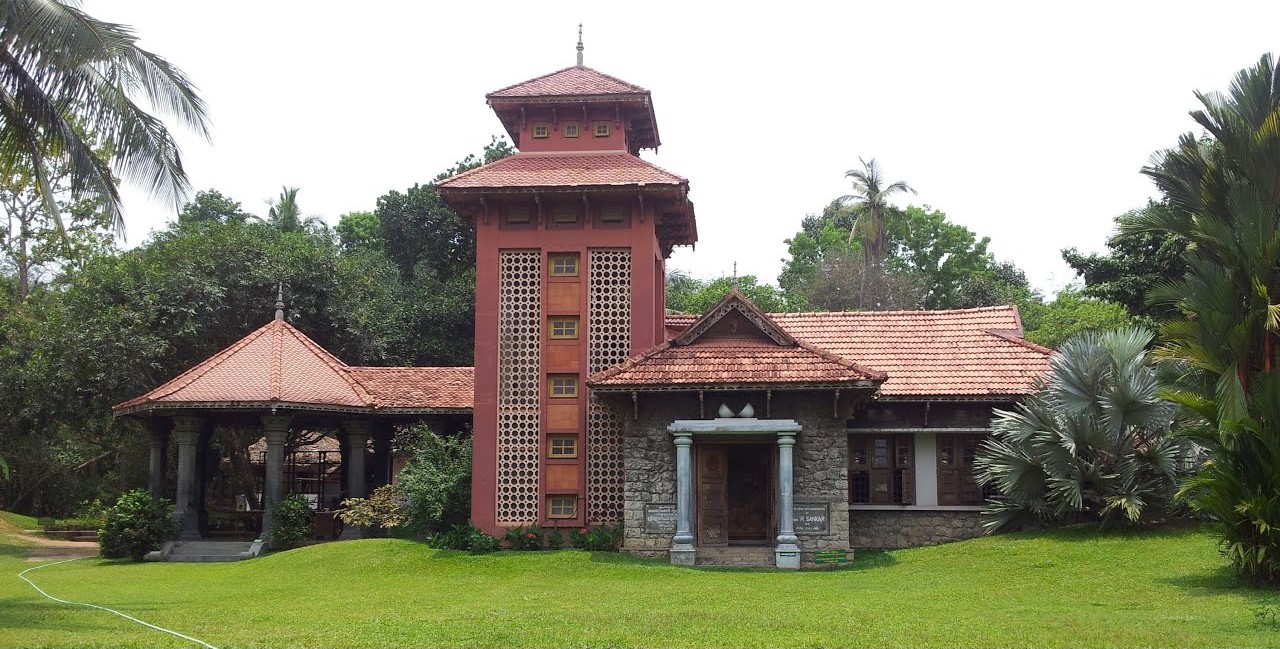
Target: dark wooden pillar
<point x="383" y="432"/>
<point x="158" y="437"/>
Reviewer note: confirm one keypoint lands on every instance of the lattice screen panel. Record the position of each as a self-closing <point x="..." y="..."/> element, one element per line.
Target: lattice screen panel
<point x="519" y="343"/>
<point x="608" y="343"/>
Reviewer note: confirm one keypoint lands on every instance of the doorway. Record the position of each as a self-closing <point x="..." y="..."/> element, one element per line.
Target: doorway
<point x="736" y="494"/>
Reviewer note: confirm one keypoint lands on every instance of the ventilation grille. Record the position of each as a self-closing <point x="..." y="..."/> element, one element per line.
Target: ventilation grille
<point x="608" y="343"/>
<point x="519" y="332"/>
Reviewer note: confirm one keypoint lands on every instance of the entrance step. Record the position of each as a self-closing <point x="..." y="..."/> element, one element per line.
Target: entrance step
<point x="736" y="555"/>
<point x="211" y="551"/>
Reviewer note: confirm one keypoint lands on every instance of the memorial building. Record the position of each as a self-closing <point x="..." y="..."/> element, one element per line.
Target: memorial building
<point x="732" y="437"/>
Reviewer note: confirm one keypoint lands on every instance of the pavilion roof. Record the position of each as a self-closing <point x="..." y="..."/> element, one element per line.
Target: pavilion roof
<point x="279" y="366"/>
<point x="961" y="353"/>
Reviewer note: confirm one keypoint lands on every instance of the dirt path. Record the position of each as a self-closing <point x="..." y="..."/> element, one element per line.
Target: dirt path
<point x="42" y="548"/>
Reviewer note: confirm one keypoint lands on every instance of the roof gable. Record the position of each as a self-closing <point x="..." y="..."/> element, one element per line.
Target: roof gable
<point x="726" y="318"/>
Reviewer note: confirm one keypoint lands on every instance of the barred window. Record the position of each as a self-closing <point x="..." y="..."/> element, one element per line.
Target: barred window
<point x="881" y="469"/>
<point x="562" y="506"/>
<point x="564" y="386"/>
<point x="562" y="446"/>
<point x="564" y="327"/>
<point x="564" y="265"/>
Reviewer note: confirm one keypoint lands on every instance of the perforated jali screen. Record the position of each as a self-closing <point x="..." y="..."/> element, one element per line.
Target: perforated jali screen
<point x="608" y="343"/>
<point x="519" y="343"/>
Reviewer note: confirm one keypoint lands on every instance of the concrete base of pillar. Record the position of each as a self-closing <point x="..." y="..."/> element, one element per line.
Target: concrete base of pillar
<point x="787" y="556"/>
<point x="684" y="555"/>
<point x="188" y="526"/>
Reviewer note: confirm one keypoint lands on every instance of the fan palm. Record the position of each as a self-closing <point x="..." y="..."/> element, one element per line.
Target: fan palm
<point x="1093" y="441"/>
<point x="870" y="205"/>
<point x="1225" y="190"/>
<point x="60" y="66"/>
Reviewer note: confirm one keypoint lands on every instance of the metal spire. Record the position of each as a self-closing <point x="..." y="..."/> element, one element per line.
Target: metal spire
<point x="579" y="43"/>
<point x="280" y="301"/>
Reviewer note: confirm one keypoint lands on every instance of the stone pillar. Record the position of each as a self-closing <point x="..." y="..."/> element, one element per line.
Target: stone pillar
<point x="275" y="428"/>
<point x="186" y="430"/>
<point x="787" y="553"/>
<point x="159" y="439"/>
<point x="357" y="433"/>
<point x="682" y="549"/>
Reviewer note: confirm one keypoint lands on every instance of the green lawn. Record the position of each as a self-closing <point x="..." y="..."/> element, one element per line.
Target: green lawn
<point x="1068" y="588"/>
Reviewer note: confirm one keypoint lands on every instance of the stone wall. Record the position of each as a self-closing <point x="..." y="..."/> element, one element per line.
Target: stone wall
<point x="911" y="528"/>
<point x="821" y="462"/>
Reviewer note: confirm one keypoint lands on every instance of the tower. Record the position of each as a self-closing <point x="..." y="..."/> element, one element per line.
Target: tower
<point x="571" y="237"/>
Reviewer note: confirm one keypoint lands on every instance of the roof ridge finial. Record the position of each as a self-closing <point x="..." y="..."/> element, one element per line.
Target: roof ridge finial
<point x="735" y="275"/>
<point x="280" y="302"/>
<point x="579" y="43"/>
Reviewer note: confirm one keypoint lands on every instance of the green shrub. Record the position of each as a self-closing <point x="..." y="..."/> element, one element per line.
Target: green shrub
<point x="69" y="524"/>
<point x="554" y="539"/>
<point x="291" y="522"/>
<point x="523" y="538"/>
<point x="136" y="525"/>
<point x="464" y="537"/>
<point x="605" y="538"/>
<point x="436" y="481"/>
<point x="382" y="510"/>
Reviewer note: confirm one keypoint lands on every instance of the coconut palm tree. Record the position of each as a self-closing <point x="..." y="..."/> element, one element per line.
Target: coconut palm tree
<point x="1093" y="442"/>
<point x="1224" y="187"/>
<point x="60" y="66"/>
<point x="870" y="205"/>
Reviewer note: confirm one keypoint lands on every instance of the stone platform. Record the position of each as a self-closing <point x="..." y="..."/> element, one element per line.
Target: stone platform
<point x="206" y="551"/>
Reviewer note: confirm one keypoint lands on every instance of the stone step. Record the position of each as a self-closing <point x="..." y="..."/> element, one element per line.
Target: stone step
<point x="736" y="555"/>
<point x="230" y="549"/>
<point x="204" y="558"/>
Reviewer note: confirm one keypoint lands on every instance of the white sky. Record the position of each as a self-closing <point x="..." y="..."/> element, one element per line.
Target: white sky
<point x="1025" y="121"/>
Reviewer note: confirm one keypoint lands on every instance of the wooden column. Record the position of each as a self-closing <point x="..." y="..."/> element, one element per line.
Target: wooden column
<point x="383" y="431"/>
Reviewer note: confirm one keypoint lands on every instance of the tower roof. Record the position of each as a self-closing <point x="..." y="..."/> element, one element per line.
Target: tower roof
<point x="577" y="82"/>
<point x="578" y="85"/>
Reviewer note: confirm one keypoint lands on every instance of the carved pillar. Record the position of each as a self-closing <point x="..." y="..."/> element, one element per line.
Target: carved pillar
<point x="357" y="432"/>
<point x="787" y="553"/>
<point x="682" y="550"/>
<point x="275" y="428"/>
<point x="186" y="431"/>
<point x="158" y="436"/>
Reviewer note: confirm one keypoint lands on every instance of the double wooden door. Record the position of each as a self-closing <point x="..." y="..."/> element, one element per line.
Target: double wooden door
<point x="736" y="494"/>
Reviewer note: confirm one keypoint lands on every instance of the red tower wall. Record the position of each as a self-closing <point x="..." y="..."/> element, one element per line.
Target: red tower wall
<point x="559" y="296"/>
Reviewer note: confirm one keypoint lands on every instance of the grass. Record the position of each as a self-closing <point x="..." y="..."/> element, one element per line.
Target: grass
<point x="1068" y="588"/>
<point x="28" y="523"/>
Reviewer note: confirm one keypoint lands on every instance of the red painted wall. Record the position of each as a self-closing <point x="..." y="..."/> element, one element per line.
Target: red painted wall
<point x="586" y="140"/>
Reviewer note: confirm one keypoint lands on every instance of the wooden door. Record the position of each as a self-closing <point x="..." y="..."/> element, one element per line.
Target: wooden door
<point x="713" y="502"/>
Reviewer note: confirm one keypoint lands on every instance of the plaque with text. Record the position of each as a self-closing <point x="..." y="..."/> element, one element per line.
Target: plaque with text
<point x="812" y="518"/>
<point x="660" y="518"/>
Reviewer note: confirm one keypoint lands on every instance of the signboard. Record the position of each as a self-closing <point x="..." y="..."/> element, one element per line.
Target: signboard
<point x="830" y="558"/>
<point x="812" y="518"/>
<point x="660" y="518"/>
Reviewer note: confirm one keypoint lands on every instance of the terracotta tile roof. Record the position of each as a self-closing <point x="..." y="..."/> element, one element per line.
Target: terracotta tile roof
<point x="575" y="81"/>
<point x="563" y="169"/>
<point x="279" y="365"/>
<point x="956" y="353"/>
<point x="735" y="344"/>
<point x="733" y="362"/>
<point x="411" y="387"/>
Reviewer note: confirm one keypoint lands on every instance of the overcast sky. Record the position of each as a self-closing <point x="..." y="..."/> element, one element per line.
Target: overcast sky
<point x="1025" y="121"/>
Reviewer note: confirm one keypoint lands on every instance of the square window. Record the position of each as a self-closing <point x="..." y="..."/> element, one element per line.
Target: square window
<point x="564" y="327"/>
<point x="571" y="129"/>
<point x="562" y="446"/>
<point x="613" y="214"/>
<point x="565" y="214"/>
<point x="541" y="130"/>
<point x="517" y="216"/>
<point x="602" y="129"/>
<point x="564" y="265"/>
<point x="564" y="386"/>
<point x="562" y="506"/>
